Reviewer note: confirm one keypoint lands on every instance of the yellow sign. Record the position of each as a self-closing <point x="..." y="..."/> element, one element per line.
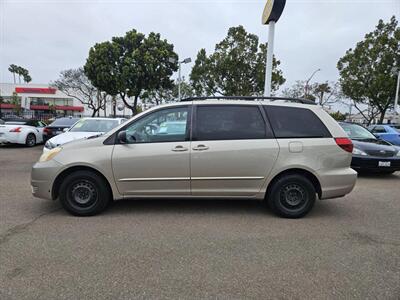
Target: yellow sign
<point x="267" y="11"/>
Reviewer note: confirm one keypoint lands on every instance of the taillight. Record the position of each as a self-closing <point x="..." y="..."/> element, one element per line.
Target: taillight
<point x="345" y="143"/>
<point x="16" y="129"/>
<point x="46" y="130"/>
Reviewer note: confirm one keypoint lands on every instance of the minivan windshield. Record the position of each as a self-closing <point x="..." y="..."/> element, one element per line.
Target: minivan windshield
<point x="357" y="132"/>
<point x="94" y="125"/>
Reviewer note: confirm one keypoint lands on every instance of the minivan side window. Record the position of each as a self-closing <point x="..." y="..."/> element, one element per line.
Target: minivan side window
<point x="166" y="125"/>
<point x="229" y="122"/>
<point x="295" y="122"/>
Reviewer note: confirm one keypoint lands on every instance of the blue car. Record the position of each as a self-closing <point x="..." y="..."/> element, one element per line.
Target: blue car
<point x="388" y="133"/>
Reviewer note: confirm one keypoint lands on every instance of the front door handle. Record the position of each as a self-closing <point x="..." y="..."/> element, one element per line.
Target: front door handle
<point x="201" y="148"/>
<point x="179" y="148"/>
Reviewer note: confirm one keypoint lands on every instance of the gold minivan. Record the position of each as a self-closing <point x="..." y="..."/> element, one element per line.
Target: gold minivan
<point x="285" y="151"/>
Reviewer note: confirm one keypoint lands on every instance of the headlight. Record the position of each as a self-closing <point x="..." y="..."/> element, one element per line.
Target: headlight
<point x="49" y="145"/>
<point x="398" y="154"/>
<point x="49" y="155"/>
<point x="359" y="152"/>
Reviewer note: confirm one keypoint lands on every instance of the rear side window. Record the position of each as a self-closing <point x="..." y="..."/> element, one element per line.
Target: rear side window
<point x="229" y="122"/>
<point x="378" y="129"/>
<point x="294" y="122"/>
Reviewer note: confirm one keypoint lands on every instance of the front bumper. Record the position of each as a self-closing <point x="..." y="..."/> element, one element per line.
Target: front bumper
<point x="371" y="163"/>
<point x="42" y="178"/>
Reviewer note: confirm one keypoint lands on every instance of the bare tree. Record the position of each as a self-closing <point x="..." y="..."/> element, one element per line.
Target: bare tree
<point x="75" y="84"/>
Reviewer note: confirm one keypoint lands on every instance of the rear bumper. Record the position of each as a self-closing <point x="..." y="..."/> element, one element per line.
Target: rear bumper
<point x="372" y="164"/>
<point x="337" y="183"/>
<point x="12" y="138"/>
<point x="42" y="178"/>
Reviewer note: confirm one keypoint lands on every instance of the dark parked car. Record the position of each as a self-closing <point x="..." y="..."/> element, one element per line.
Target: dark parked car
<point x="58" y="126"/>
<point x="371" y="154"/>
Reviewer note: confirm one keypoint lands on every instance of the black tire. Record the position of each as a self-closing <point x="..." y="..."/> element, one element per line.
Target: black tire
<point x="291" y="196"/>
<point x="30" y="140"/>
<point x="84" y="193"/>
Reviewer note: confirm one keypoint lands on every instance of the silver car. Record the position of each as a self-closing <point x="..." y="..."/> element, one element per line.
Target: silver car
<point x="283" y="151"/>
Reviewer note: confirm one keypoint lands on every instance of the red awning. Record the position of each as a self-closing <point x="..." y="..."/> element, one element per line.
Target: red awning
<point x="57" y="107"/>
<point x="39" y="107"/>
<point x="7" y="105"/>
<point x="73" y="108"/>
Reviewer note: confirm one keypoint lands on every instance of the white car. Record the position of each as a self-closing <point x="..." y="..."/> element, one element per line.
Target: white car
<point x="25" y="132"/>
<point x="84" y="128"/>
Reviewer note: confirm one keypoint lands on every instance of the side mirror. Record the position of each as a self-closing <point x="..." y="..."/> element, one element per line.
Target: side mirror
<point x="65" y="129"/>
<point x="122" y="137"/>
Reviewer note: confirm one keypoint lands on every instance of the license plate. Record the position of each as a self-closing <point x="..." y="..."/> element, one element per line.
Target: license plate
<point x="384" y="164"/>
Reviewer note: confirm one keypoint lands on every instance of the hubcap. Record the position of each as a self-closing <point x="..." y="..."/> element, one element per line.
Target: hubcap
<point x="31" y="140"/>
<point x="83" y="193"/>
<point x="292" y="196"/>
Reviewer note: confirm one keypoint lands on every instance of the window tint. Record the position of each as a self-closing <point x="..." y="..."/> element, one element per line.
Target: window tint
<point x="167" y="125"/>
<point x="293" y="122"/>
<point x="229" y="122"/>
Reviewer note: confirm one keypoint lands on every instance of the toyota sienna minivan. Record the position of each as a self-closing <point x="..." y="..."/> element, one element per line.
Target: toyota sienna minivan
<point x="287" y="152"/>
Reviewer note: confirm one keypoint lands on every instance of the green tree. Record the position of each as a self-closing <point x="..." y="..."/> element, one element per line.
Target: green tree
<point x="130" y="65"/>
<point x="16" y="101"/>
<point x="13" y="69"/>
<point x="237" y="67"/>
<point x="338" y="116"/>
<point x="74" y="83"/>
<point x="367" y="72"/>
<point x="167" y="95"/>
<point x="20" y="71"/>
<point x="298" y="91"/>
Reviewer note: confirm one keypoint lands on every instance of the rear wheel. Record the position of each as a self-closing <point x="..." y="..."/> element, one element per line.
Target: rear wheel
<point x="292" y="196"/>
<point x="84" y="193"/>
<point x="30" y="140"/>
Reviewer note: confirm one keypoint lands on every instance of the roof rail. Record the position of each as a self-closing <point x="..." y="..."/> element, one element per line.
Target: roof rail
<point x="251" y="98"/>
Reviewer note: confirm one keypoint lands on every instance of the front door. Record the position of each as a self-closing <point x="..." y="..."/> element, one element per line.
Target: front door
<point x="233" y="150"/>
<point x="155" y="160"/>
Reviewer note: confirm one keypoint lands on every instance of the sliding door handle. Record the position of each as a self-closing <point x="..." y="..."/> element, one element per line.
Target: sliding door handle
<point x="200" y="148"/>
<point x="179" y="148"/>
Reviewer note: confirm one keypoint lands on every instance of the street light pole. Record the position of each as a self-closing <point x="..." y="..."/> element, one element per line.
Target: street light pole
<point x="270" y="55"/>
<point x="307" y="82"/>
<point x="396" y="99"/>
<point x="185" y="61"/>
<point x="179" y="81"/>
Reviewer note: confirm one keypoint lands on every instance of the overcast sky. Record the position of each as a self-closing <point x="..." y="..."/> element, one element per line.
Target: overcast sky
<point x="49" y="36"/>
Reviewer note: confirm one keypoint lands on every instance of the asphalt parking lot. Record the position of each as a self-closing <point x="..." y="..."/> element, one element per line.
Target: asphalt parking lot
<point x="184" y="249"/>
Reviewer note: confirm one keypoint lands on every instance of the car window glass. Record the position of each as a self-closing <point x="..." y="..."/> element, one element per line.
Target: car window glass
<point x="379" y="129"/>
<point x="94" y="125"/>
<point x="64" y="122"/>
<point x="229" y="122"/>
<point x="294" y="122"/>
<point x="357" y="132"/>
<point x="167" y="125"/>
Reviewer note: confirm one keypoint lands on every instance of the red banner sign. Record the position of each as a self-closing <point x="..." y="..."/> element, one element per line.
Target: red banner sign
<point x="32" y="90"/>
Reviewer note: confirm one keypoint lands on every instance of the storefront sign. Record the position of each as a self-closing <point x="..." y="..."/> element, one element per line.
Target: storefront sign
<point x="29" y="90"/>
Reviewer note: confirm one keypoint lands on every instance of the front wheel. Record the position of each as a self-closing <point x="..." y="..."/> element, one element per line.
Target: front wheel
<point x="30" y="140"/>
<point x="292" y="196"/>
<point x="84" y="193"/>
